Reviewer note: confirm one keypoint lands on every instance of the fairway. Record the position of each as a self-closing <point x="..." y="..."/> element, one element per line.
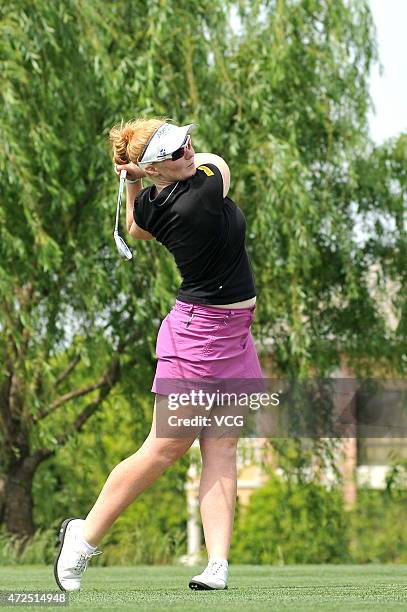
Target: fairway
<point x="306" y="587"/>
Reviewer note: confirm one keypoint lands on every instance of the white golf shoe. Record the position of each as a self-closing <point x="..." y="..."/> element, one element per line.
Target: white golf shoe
<point x="214" y="576"/>
<point x="73" y="555"/>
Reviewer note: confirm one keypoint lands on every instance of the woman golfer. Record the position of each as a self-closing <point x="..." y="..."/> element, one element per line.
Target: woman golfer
<point x="205" y="336"/>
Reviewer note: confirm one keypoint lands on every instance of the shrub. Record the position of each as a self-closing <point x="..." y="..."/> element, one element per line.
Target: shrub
<point x="382" y="513"/>
<point x="37" y="550"/>
<point x="288" y="522"/>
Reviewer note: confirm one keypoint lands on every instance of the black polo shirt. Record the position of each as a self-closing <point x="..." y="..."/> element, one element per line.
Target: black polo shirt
<point x="204" y="232"/>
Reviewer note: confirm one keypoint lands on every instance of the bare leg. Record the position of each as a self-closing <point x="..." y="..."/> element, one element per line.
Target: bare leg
<point x="217" y="493"/>
<point x="130" y="478"/>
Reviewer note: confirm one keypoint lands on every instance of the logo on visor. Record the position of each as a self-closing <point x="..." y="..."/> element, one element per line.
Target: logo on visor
<point x="163" y="130"/>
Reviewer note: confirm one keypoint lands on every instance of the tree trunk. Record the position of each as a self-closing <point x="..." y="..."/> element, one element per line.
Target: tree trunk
<point x="16" y="499"/>
<point x="18" y="502"/>
<point x="2" y="488"/>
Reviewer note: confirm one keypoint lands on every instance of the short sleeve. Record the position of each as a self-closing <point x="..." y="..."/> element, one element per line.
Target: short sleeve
<point x="138" y="214"/>
<point x="212" y="181"/>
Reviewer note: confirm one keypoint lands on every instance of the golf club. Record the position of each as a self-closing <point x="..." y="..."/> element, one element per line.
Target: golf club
<point x="122" y="247"/>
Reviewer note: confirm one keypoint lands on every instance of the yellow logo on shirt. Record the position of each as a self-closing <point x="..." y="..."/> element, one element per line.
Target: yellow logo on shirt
<point x="207" y="170"/>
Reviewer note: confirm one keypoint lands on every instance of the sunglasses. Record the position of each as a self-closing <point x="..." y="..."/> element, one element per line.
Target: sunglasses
<point x="122" y="247"/>
<point x="181" y="151"/>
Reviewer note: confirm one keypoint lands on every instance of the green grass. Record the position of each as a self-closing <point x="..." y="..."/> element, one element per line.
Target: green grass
<point x="304" y="587"/>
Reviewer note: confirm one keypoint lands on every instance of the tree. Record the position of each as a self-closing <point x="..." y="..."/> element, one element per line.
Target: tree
<point x="284" y="102"/>
<point x="74" y="319"/>
<point x="297" y="110"/>
<point x="298" y="139"/>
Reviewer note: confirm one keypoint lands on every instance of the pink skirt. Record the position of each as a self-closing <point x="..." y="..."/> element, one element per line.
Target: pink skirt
<point x="200" y="346"/>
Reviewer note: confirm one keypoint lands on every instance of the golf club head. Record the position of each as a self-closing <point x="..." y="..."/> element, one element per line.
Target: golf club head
<point x="122" y="247"/>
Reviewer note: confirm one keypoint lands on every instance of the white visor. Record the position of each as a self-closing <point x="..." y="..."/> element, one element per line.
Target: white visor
<point x="167" y="139"/>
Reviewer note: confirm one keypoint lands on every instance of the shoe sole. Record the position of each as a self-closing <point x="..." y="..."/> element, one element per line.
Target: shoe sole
<point x="60" y="541"/>
<point x="195" y="585"/>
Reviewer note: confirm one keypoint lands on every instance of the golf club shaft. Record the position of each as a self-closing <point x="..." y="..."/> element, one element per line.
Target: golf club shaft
<point x="123" y="174"/>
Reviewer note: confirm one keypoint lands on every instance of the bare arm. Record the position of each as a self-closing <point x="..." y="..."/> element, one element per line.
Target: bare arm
<point x="216" y="160"/>
<point x="133" y="189"/>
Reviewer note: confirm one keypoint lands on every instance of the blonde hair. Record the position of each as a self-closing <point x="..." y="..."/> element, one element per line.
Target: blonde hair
<point x="129" y="139"/>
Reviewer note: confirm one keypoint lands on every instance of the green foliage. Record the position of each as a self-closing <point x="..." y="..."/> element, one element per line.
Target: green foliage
<point x="74" y="477"/>
<point x="292" y="523"/>
<point x="381" y="513"/>
<point x="37" y="550"/>
<point x="377" y="533"/>
<point x="152" y="530"/>
<point x="396" y="478"/>
<point x="285" y="522"/>
<point x="134" y="542"/>
<point x="284" y="101"/>
<point x="293" y="519"/>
